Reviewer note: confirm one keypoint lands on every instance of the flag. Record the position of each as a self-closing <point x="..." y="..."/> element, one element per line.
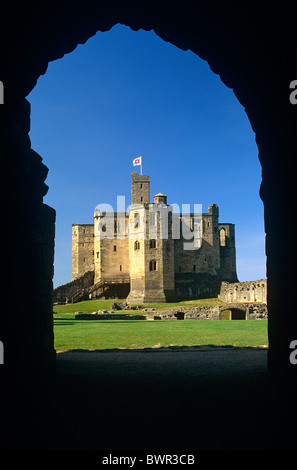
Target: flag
<point x="137" y="161"/>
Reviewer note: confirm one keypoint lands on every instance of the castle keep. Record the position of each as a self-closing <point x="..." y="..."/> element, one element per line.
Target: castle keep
<point x="152" y="253"/>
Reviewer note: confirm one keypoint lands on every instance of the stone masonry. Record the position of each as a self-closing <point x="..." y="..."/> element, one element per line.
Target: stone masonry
<point x="250" y="291"/>
<point x="130" y="248"/>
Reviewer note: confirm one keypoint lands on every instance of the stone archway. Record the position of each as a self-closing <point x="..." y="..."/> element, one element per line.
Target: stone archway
<point x="234" y="312"/>
<point x="250" y="50"/>
<point x="238" y="314"/>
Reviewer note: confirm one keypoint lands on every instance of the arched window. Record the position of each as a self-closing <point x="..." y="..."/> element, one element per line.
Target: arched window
<point x="153" y="265"/>
<point x="223" y="237"/>
<point x="152" y="243"/>
<point x="136" y="245"/>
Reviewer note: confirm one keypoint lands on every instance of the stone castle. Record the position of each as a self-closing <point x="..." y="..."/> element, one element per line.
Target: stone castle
<point x="146" y="254"/>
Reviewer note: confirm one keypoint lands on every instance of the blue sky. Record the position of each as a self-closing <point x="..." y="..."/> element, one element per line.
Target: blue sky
<point x="125" y="94"/>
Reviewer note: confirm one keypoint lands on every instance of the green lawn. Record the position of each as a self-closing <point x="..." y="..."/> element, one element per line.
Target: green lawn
<point x="89" y="306"/>
<point x="130" y="334"/>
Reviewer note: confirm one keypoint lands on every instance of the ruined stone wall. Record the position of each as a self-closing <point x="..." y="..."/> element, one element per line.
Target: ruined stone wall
<point x="82" y="249"/>
<point x="67" y="290"/>
<point x="250" y="291"/>
<point x="253" y="311"/>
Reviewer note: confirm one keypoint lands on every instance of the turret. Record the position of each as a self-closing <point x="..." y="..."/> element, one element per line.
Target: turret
<point x="140" y="188"/>
<point x="151" y="254"/>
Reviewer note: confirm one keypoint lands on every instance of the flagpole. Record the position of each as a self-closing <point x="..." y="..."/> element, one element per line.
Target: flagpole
<point x="141" y="166"/>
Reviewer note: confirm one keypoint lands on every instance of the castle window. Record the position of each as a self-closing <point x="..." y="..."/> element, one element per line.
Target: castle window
<point x="114" y="248"/>
<point x="115" y="228"/>
<point x="136" y="222"/>
<point x="97" y="254"/>
<point x="152" y="243"/>
<point x="120" y="267"/>
<point x="141" y="199"/>
<point x="194" y="267"/>
<point x="223" y="237"/>
<point x="140" y="185"/>
<point x="104" y="228"/>
<point x="179" y="268"/>
<point x="153" y="265"/>
<point x="136" y="245"/>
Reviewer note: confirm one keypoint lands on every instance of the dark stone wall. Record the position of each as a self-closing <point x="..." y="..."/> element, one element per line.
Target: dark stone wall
<point x="29" y="228"/>
<point x="196" y="285"/>
<point x="254" y="52"/>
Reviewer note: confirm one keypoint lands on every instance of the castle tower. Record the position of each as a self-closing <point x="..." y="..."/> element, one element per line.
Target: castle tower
<point x="82" y="249"/>
<point x="227" y="252"/>
<point x="140" y="188"/>
<point x="160" y="198"/>
<point x="151" y="248"/>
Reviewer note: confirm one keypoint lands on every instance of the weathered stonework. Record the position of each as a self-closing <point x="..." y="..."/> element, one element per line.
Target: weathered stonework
<point x="82" y="249"/>
<point x="254" y="54"/>
<point x="64" y="292"/>
<point x="250" y="311"/>
<point x="131" y="248"/>
<point x="250" y="291"/>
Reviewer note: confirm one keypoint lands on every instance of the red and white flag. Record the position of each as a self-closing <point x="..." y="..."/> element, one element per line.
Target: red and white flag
<point x="137" y="161"/>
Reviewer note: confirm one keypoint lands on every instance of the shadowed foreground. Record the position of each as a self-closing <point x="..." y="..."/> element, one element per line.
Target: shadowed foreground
<point x="149" y="400"/>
